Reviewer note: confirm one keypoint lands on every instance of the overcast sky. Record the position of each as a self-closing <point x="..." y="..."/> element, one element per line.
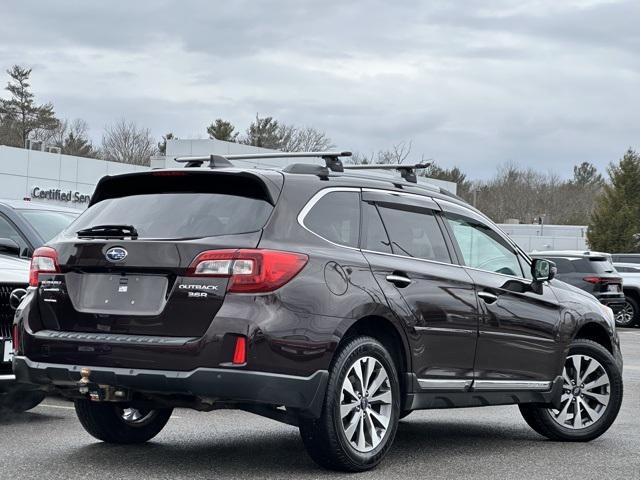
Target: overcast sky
<point x="546" y="83"/>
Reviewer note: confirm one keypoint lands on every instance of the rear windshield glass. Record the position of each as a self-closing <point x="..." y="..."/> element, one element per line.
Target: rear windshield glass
<point x="48" y="223"/>
<point x="178" y="215"/>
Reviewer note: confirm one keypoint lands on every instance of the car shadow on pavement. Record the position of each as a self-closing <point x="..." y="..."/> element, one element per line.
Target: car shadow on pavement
<point x="269" y="454"/>
<point x="7" y="417"/>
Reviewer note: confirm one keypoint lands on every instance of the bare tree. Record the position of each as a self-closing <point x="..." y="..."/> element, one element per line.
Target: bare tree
<point x="125" y="142"/>
<point x="398" y="153"/>
<point x="306" y="139"/>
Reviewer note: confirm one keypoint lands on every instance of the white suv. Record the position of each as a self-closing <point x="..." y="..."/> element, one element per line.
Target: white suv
<point x="630" y="314"/>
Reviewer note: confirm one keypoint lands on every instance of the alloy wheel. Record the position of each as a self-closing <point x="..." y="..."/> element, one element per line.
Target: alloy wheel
<point x="626" y="314"/>
<point x="135" y="416"/>
<point x="366" y="404"/>
<point x="586" y="393"/>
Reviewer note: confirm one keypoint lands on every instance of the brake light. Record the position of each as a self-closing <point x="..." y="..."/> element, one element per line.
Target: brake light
<point x="44" y="260"/>
<point x="15" y="339"/>
<point x="249" y="271"/>
<point x="240" y="351"/>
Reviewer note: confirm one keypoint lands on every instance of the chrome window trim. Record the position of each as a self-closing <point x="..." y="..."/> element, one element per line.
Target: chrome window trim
<point x="511" y="385"/>
<point x="7" y="378"/>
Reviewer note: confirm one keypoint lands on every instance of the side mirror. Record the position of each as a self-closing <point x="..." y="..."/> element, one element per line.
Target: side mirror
<point x="542" y="270"/>
<point x="10" y="246"/>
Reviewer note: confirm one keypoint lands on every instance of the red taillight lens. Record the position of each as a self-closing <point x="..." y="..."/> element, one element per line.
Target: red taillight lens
<point x="240" y="351"/>
<point x="15" y="338"/>
<point x="596" y="280"/>
<point x="249" y="271"/>
<point x="44" y="260"/>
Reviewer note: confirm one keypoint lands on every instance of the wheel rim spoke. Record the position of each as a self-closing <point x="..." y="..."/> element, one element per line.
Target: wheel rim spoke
<point x="366" y="404"/>
<point x="582" y="404"/>
<point x="599" y="382"/>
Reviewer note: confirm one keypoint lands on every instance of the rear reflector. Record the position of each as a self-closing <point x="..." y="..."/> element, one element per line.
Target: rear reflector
<point x="44" y="260"/>
<point x="240" y="351"/>
<point x="15" y="339"/>
<point x="249" y="271"/>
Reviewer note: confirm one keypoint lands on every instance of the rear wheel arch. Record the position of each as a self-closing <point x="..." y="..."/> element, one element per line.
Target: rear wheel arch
<point x="387" y="333"/>
<point x="595" y="332"/>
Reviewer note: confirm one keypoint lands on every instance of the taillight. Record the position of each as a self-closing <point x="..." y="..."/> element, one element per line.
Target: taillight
<point x="15" y="338"/>
<point x="249" y="271"/>
<point x="44" y="260"/>
<point x="596" y="280"/>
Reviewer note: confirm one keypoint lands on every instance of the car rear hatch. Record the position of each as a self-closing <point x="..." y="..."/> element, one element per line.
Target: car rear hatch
<point x="124" y="265"/>
<point x="601" y="273"/>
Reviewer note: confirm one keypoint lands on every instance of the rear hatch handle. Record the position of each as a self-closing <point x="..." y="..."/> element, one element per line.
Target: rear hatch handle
<point x="108" y="231"/>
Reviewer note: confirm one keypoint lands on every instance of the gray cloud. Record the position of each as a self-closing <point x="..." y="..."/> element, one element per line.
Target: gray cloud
<point x="474" y="84"/>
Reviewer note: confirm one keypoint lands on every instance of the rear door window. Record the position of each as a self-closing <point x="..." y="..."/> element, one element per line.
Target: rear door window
<point x="374" y="235"/>
<point x="336" y="217"/>
<point x="414" y="233"/>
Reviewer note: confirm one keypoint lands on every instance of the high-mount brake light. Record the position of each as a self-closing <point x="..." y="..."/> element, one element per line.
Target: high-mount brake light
<point x="44" y="260"/>
<point x="249" y="270"/>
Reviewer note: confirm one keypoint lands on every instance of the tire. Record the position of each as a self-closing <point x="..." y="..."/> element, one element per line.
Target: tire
<point x="340" y="446"/>
<point x="590" y="425"/>
<point x="629" y="314"/>
<point x="106" y="422"/>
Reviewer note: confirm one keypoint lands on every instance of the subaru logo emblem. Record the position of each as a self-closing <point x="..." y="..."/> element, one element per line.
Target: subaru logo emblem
<point x="116" y="254"/>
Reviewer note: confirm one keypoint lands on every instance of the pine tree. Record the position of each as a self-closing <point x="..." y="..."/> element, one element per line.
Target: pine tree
<point x="20" y="110"/>
<point x="615" y="222"/>
<point x="222" y="130"/>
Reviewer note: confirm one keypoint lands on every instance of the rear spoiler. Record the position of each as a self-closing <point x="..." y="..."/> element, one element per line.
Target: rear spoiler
<point x="233" y="182"/>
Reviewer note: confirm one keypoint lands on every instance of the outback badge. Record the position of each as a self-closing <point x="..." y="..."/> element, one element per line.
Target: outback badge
<point x="116" y="254"/>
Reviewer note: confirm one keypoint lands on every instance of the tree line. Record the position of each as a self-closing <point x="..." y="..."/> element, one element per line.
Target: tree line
<point x="611" y="207"/>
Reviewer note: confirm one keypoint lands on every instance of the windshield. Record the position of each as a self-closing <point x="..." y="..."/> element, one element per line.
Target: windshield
<point x="48" y="223"/>
<point x="178" y="215"/>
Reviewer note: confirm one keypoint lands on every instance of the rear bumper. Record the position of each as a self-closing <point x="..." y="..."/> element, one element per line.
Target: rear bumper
<point x="225" y="385"/>
<point x="615" y="303"/>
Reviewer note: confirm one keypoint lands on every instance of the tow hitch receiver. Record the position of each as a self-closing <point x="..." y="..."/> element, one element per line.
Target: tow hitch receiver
<point x="100" y="393"/>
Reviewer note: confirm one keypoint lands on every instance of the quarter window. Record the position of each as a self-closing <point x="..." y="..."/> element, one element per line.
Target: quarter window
<point x="482" y="247"/>
<point x="415" y="233"/>
<point x="336" y="217"/>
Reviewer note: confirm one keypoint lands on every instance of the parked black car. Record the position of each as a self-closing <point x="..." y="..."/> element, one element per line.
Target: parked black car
<point x="592" y="272"/>
<point x="24" y="226"/>
<point x="327" y="299"/>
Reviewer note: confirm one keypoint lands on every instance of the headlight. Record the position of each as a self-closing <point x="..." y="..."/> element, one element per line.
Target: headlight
<point x="608" y="314"/>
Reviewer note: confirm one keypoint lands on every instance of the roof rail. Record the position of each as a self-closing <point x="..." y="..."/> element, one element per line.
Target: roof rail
<point x="407" y="171"/>
<point x="332" y="159"/>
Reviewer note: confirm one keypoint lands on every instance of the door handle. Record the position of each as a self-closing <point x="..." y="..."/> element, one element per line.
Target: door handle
<point x="488" y="297"/>
<point x="399" y="281"/>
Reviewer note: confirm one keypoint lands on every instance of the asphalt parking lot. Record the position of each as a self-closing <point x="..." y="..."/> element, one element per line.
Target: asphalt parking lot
<point x="492" y="442"/>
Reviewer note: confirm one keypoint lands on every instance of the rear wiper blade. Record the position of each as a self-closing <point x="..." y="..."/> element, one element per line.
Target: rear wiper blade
<point x="108" y="231"/>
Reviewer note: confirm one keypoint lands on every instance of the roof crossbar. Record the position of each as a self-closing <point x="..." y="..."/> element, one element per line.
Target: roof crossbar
<point x="332" y="159"/>
<point x="407" y="171"/>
